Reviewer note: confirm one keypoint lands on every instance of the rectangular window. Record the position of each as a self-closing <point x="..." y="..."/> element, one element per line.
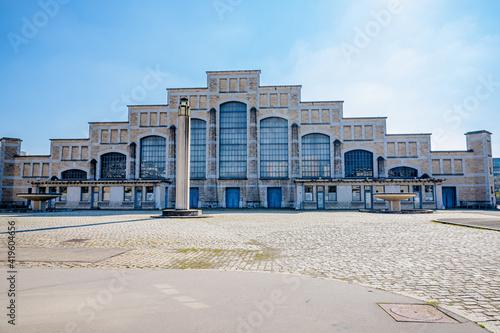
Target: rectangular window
<point x="127" y="194"/>
<point x="233" y="141"/>
<point x="356" y="193"/>
<point x="150" y="194"/>
<point x="105" y="193"/>
<point x="429" y="193"/>
<point x="405" y="189"/>
<point x="85" y="195"/>
<point x="309" y="193"/>
<point x="52" y="189"/>
<point x="64" y="193"/>
<point x="332" y="193"/>
<point x="42" y="190"/>
<point x="379" y="189"/>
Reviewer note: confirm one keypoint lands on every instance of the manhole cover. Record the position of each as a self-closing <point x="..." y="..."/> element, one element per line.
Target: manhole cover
<point x="416" y="313"/>
<point x="76" y="240"/>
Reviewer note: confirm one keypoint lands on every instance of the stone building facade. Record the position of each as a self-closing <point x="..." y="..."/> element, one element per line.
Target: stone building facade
<point x="251" y="146"/>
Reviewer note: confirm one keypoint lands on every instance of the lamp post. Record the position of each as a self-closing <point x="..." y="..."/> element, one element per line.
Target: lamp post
<point x="183" y="157"/>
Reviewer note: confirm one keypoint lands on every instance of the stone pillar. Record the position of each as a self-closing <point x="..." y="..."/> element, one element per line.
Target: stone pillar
<point x="132" y="153"/>
<point x="337" y="158"/>
<point x="182" y="173"/>
<point x="295" y="152"/>
<point x="253" y="199"/>
<point x="211" y="188"/>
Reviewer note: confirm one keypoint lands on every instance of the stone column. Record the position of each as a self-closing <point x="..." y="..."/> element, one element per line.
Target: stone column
<point x="337" y="155"/>
<point x="183" y="157"/>
<point x="132" y="153"/>
<point x="211" y="188"/>
<point x="253" y="199"/>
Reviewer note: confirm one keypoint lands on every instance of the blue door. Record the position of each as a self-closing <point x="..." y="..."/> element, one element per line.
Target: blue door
<point x="449" y="197"/>
<point x="368" y="197"/>
<point x="94" y="198"/>
<point x="321" y="197"/>
<point x="417" y="201"/>
<point x="138" y="198"/>
<point x="194" y="195"/>
<point x="232" y="198"/>
<point x="274" y="197"/>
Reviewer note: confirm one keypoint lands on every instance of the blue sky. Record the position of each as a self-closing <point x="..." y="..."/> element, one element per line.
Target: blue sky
<point x="429" y="66"/>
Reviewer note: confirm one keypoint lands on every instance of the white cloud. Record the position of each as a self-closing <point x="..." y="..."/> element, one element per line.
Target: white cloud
<point x="413" y="71"/>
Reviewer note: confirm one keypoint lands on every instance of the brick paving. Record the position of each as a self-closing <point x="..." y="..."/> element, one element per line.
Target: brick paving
<point x="454" y="267"/>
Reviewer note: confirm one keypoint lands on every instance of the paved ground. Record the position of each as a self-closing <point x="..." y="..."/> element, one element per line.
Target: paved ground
<point x="490" y="224"/>
<point x="457" y="268"/>
<point x="96" y="300"/>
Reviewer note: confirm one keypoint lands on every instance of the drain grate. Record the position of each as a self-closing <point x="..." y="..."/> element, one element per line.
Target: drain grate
<point x="76" y="240"/>
<point x="420" y="313"/>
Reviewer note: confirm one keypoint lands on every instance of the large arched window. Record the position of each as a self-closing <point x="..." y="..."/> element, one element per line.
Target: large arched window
<point x="403" y="172"/>
<point x="315" y="156"/>
<point x="274" y="148"/>
<point x="358" y="164"/>
<point x="73" y="174"/>
<point x="113" y="166"/>
<point x="153" y="157"/>
<point x="233" y="141"/>
<point x="198" y="149"/>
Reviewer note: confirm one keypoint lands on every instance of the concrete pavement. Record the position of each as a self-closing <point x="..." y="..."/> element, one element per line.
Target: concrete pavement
<point x="98" y="300"/>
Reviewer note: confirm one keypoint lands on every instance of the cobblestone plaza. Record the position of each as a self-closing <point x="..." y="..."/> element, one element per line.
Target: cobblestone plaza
<point x="454" y="267"/>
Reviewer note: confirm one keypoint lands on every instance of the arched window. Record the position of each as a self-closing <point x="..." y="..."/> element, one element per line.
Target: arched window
<point x="315" y="156"/>
<point x="403" y="172"/>
<point x="113" y="166"/>
<point x="233" y="141"/>
<point x="274" y="148"/>
<point x="73" y="174"/>
<point x="358" y="164"/>
<point x="198" y="149"/>
<point x="153" y="157"/>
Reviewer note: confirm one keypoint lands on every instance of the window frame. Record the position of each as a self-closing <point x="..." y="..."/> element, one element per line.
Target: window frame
<point x="336" y="193"/>
<point x="198" y="146"/>
<point x="273" y="148"/>
<point x="403" y="172"/>
<point x="87" y="193"/>
<point x="117" y="169"/>
<point x="359" y="190"/>
<point x="153" y="157"/>
<point x="358" y="163"/>
<point x="105" y="194"/>
<point x="233" y="134"/>
<point x="316" y="156"/>
<point x="76" y="173"/>
<point x="431" y="187"/>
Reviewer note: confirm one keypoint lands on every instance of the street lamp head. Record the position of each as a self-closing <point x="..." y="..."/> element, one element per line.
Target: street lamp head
<point x="184" y="107"/>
